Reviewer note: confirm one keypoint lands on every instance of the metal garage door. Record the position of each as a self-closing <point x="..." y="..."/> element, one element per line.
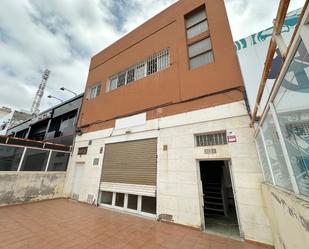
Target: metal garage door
<point x="132" y="162"/>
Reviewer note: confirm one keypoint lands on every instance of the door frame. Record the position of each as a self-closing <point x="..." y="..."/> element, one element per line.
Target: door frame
<point x="227" y="163"/>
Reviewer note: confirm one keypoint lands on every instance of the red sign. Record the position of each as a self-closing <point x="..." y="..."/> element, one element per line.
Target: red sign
<point x="231" y="137"/>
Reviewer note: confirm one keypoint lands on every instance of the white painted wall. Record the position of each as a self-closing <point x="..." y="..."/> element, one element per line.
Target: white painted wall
<point x="177" y="181"/>
<point x="289" y="217"/>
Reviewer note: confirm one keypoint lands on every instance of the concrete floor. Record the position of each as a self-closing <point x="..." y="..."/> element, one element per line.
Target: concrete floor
<point x="67" y="224"/>
<point x="226" y="226"/>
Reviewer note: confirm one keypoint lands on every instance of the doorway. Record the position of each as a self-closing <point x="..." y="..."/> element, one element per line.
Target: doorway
<point x="218" y="198"/>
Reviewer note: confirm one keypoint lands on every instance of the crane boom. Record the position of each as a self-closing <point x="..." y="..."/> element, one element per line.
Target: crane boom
<point x="39" y="94"/>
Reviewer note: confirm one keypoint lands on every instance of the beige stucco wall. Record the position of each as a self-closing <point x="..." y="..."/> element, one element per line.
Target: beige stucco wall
<point x="177" y="170"/>
<point x="289" y="218"/>
<point x="19" y="187"/>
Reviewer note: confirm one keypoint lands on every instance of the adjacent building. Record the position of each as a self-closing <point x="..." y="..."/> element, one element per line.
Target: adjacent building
<point x="164" y="127"/>
<point x="55" y="125"/>
<point x="10" y="118"/>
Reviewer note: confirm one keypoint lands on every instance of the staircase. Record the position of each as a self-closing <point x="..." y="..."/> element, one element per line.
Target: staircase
<point x="213" y="198"/>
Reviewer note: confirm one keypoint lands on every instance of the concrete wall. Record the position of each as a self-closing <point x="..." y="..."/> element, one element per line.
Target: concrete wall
<point x="289" y="218"/>
<point x="178" y="189"/>
<point x="19" y="187"/>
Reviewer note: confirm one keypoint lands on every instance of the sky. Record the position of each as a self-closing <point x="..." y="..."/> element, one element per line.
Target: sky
<point x="63" y="35"/>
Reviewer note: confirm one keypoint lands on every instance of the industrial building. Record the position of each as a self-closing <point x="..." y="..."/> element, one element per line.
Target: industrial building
<point x="164" y="127"/>
<point x="178" y="124"/>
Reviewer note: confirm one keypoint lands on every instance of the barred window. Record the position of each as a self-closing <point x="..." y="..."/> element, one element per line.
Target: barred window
<point x="157" y="62"/>
<point x="210" y="139"/>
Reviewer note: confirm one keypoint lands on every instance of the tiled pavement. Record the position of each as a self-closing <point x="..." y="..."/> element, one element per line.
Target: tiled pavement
<point x="67" y="224"/>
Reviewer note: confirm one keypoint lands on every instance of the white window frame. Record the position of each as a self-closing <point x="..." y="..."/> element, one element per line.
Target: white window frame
<point x="94" y="87"/>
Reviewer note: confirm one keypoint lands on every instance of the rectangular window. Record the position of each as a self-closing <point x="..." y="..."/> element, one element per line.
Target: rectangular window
<point x="200" y="53"/>
<point x="58" y="161"/>
<point x="149" y="205"/>
<point x="34" y="160"/>
<point x="140" y="71"/>
<point x="119" y="200"/>
<point x="276" y="157"/>
<point x="132" y="201"/>
<point x="82" y="150"/>
<point x="210" y="139"/>
<point x="157" y="62"/>
<point x="10" y="157"/>
<point x="263" y="158"/>
<point x="113" y="83"/>
<point x="94" y="91"/>
<point x="130" y="75"/>
<point x="196" y="23"/>
<point x="121" y="79"/>
<point x="152" y="66"/>
<point x="107" y="197"/>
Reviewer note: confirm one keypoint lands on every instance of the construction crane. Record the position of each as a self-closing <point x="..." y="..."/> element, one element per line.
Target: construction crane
<point x="39" y="94"/>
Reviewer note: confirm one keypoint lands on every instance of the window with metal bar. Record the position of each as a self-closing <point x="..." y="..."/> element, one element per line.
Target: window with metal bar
<point x="155" y="63"/>
<point x="210" y="139"/>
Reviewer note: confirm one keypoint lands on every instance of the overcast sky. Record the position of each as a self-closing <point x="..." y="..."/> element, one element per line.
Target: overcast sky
<point x="63" y="35"/>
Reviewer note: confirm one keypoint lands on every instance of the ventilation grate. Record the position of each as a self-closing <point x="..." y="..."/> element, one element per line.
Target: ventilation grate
<point x="75" y="196"/>
<point x="90" y="198"/>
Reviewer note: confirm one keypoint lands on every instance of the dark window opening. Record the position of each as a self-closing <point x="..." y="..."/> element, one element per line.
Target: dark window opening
<point x="132" y="201"/>
<point x="82" y="151"/>
<point x="58" y="161"/>
<point x="130" y="75"/>
<point x="34" y="160"/>
<point x="106" y="197"/>
<point x="121" y="79"/>
<point x="10" y="157"/>
<point x="152" y="66"/>
<point x="119" y="200"/>
<point x="149" y="204"/>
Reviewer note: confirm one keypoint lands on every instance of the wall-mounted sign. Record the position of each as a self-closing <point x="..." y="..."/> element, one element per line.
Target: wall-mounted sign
<point x="42" y="116"/>
<point x="210" y="151"/>
<point x="231" y="137"/>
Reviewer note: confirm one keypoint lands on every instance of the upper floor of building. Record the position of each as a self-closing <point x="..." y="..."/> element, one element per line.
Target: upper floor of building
<point x="169" y="64"/>
<point x="56" y="125"/>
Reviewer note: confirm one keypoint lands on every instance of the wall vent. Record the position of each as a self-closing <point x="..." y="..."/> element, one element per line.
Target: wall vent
<point x="210" y="139"/>
<point x="90" y="198"/>
<point x="166" y="217"/>
<point x="96" y="161"/>
<point x="75" y="196"/>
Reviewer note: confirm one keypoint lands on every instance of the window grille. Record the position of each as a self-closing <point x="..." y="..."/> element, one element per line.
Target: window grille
<point x="210" y="139"/>
<point x="155" y="63"/>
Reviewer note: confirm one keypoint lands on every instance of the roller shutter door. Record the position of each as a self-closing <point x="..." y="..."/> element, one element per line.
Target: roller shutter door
<point x="132" y="162"/>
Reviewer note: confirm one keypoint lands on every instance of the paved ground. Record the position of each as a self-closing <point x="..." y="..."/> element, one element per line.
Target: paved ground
<point x="67" y="224"/>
